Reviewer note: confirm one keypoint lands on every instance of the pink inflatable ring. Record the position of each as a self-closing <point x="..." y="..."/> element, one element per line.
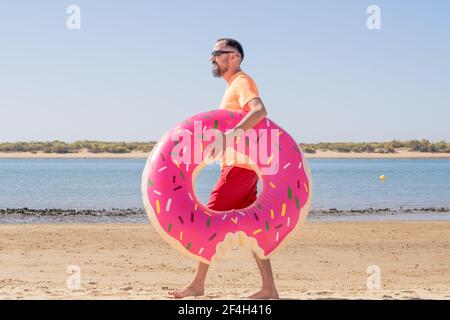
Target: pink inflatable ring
<point x="168" y="184"/>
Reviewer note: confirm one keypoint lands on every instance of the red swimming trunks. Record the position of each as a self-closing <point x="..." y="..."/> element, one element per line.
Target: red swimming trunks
<point x="235" y="189"/>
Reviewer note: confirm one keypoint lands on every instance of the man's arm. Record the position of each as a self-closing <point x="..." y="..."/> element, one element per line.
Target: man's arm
<point x="256" y="114"/>
<point x="252" y="118"/>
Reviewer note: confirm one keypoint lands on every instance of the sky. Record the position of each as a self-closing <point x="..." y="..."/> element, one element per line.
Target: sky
<point x="135" y="68"/>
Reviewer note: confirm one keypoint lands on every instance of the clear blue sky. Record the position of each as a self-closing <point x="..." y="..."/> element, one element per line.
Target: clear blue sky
<point x="137" y="67"/>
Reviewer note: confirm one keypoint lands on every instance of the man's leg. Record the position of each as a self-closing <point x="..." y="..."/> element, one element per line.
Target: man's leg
<point x="196" y="287"/>
<point x="244" y="183"/>
<point x="217" y="201"/>
<point x="268" y="288"/>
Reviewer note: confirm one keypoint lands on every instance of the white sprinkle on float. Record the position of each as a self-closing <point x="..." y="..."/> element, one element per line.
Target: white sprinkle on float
<point x="169" y="202"/>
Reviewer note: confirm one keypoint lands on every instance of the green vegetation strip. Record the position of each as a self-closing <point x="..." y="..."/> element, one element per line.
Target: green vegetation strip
<point x="127" y="147"/>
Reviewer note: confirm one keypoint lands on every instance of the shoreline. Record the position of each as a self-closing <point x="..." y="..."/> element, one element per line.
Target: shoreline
<point x="139" y="216"/>
<point x="144" y="155"/>
<point x="323" y="260"/>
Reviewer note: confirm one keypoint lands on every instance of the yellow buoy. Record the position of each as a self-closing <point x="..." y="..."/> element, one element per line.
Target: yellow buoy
<point x="381" y="177"/>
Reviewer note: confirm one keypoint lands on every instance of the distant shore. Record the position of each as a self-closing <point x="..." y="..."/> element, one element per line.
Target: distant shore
<point x="143" y="155"/>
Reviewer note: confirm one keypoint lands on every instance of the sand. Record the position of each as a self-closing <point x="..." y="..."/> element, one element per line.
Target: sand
<point x="318" y="155"/>
<point x="325" y="260"/>
<point x="372" y="155"/>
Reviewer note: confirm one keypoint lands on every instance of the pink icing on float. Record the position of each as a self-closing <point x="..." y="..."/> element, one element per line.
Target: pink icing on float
<point x="168" y="184"/>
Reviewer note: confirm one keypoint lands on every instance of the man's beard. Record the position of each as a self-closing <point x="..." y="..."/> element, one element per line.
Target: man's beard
<point x="217" y="72"/>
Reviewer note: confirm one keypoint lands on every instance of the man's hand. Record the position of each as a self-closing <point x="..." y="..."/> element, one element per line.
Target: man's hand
<point x="215" y="154"/>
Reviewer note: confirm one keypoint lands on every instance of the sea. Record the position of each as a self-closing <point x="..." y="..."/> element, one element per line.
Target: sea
<point x="108" y="190"/>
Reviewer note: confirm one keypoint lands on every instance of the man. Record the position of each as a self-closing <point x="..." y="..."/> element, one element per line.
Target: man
<point x="237" y="185"/>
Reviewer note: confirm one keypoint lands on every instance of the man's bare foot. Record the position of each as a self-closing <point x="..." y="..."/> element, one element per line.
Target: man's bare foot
<point x="265" y="294"/>
<point x="188" y="291"/>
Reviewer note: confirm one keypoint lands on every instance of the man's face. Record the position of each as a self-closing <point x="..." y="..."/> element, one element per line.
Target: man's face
<point x="220" y="64"/>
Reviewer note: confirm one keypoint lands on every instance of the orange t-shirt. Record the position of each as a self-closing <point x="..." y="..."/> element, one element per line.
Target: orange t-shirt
<point x="240" y="90"/>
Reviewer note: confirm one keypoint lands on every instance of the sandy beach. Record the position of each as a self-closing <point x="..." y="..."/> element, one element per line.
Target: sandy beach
<point x="324" y="260"/>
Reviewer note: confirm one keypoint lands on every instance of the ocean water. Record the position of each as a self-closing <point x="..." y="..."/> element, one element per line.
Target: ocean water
<point x="344" y="184"/>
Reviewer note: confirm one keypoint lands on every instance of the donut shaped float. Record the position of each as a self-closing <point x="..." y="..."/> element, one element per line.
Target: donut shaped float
<point x="168" y="184"/>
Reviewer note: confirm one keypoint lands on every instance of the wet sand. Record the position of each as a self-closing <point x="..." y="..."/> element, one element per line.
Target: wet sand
<point x="138" y="215"/>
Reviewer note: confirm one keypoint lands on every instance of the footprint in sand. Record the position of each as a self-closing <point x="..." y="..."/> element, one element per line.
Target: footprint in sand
<point x="126" y="288"/>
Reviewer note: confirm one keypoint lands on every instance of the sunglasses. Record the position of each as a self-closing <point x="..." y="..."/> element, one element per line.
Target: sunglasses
<point x="217" y="53"/>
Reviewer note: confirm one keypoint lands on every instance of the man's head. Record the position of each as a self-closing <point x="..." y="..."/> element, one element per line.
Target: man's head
<point x="227" y="55"/>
